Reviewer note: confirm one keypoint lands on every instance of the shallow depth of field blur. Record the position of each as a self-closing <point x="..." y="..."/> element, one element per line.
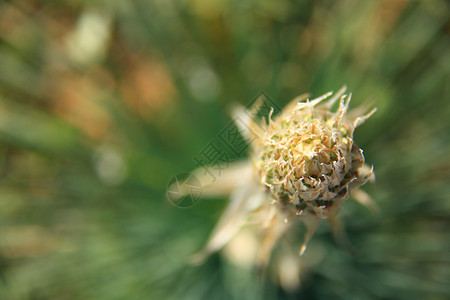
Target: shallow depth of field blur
<point x="103" y="102"/>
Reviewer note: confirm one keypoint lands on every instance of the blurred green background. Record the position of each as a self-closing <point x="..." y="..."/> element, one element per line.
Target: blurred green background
<point x="102" y="102"/>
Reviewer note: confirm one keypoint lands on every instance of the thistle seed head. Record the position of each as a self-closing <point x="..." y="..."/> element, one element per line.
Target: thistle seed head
<point x="307" y="158"/>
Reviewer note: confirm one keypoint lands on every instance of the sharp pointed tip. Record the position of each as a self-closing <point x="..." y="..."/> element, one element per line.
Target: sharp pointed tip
<point x="374" y="110"/>
<point x="342" y="89"/>
<point x="302" y="250"/>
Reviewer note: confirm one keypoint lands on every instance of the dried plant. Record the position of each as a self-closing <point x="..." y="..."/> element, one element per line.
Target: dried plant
<point x="304" y="164"/>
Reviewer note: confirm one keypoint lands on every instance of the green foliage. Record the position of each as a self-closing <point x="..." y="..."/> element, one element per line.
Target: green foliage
<point x="102" y="102"/>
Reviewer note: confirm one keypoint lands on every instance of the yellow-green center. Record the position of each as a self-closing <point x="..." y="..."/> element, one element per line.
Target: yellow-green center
<point x="308" y="163"/>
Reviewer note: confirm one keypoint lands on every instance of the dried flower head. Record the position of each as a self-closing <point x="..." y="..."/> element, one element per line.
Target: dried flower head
<point x="304" y="164"/>
<point x="307" y="157"/>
